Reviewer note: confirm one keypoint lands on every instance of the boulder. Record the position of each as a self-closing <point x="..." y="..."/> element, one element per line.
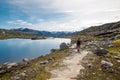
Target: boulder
<point x="2" y="71"/>
<point x="100" y="51"/>
<point x="25" y="60"/>
<point x="9" y="65"/>
<point x="63" y="46"/>
<point x="106" y="64"/>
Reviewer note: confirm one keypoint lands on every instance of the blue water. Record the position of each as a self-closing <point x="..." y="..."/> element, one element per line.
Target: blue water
<point x="14" y="50"/>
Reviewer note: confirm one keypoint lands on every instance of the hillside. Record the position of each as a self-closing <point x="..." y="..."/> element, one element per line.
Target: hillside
<point x="109" y="30"/>
<point x="4" y="34"/>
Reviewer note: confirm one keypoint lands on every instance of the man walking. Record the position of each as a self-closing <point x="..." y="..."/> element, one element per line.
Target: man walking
<point x="78" y="43"/>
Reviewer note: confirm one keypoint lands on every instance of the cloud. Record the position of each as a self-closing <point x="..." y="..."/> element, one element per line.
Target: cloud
<point x="44" y="26"/>
<point x="20" y="22"/>
<point x="68" y="14"/>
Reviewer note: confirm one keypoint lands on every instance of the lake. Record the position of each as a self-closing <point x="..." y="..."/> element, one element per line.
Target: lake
<point x="14" y="50"/>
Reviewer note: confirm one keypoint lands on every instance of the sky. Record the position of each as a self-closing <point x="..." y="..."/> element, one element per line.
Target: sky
<point x="57" y="15"/>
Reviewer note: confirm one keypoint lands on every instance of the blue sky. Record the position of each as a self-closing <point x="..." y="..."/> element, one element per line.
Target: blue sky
<point x="57" y="15"/>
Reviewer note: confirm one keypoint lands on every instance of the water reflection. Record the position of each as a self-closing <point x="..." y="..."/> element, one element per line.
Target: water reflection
<point x="17" y="49"/>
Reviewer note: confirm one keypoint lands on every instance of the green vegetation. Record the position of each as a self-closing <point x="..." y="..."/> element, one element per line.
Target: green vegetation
<point x="5" y="76"/>
<point x="116" y="46"/>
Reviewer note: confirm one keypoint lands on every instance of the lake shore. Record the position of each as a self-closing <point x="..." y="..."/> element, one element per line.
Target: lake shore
<point x="41" y="68"/>
<point x="35" y="69"/>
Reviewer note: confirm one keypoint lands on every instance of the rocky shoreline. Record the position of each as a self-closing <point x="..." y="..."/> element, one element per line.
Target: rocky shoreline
<point x="27" y="68"/>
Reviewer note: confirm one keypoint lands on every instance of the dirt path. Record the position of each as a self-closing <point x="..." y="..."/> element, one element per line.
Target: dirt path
<point x="71" y="68"/>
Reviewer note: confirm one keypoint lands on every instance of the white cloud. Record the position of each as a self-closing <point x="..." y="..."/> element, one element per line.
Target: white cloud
<point x="19" y="23"/>
<point x="78" y="13"/>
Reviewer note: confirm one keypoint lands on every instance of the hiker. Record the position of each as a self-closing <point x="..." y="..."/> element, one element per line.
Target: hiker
<point x="78" y="43"/>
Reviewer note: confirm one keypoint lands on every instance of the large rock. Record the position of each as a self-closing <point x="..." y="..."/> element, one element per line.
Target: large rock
<point x="106" y="64"/>
<point x="100" y="51"/>
<point x="63" y="46"/>
<point x="25" y="60"/>
<point x="9" y="65"/>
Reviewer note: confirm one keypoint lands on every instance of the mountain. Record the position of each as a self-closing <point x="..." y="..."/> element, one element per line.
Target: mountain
<point x="108" y="30"/>
<point x="30" y="33"/>
<point x="43" y="33"/>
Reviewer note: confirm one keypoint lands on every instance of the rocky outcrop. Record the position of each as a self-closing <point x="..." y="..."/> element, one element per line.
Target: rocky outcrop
<point x="13" y="66"/>
<point x="63" y="46"/>
<point x="105" y="43"/>
<point x="106" y="30"/>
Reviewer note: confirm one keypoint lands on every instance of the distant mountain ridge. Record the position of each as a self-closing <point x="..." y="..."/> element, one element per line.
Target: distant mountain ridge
<point x="37" y="33"/>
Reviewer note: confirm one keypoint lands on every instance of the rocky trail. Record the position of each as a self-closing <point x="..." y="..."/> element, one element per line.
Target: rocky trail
<point x="71" y="68"/>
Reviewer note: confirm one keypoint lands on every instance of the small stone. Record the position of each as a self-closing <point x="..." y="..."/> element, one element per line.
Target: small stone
<point x="111" y="45"/>
<point x="105" y="64"/>
<point x="108" y="56"/>
<point x="44" y="62"/>
<point x="89" y="65"/>
<point x="50" y="59"/>
<point x="22" y="74"/>
<point x="0" y="67"/>
<point x="117" y="57"/>
<point x="100" y="69"/>
<point x="14" y="78"/>
<point x="118" y="61"/>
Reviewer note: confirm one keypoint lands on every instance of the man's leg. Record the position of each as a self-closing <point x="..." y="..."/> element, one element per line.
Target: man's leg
<point x="78" y="49"/>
